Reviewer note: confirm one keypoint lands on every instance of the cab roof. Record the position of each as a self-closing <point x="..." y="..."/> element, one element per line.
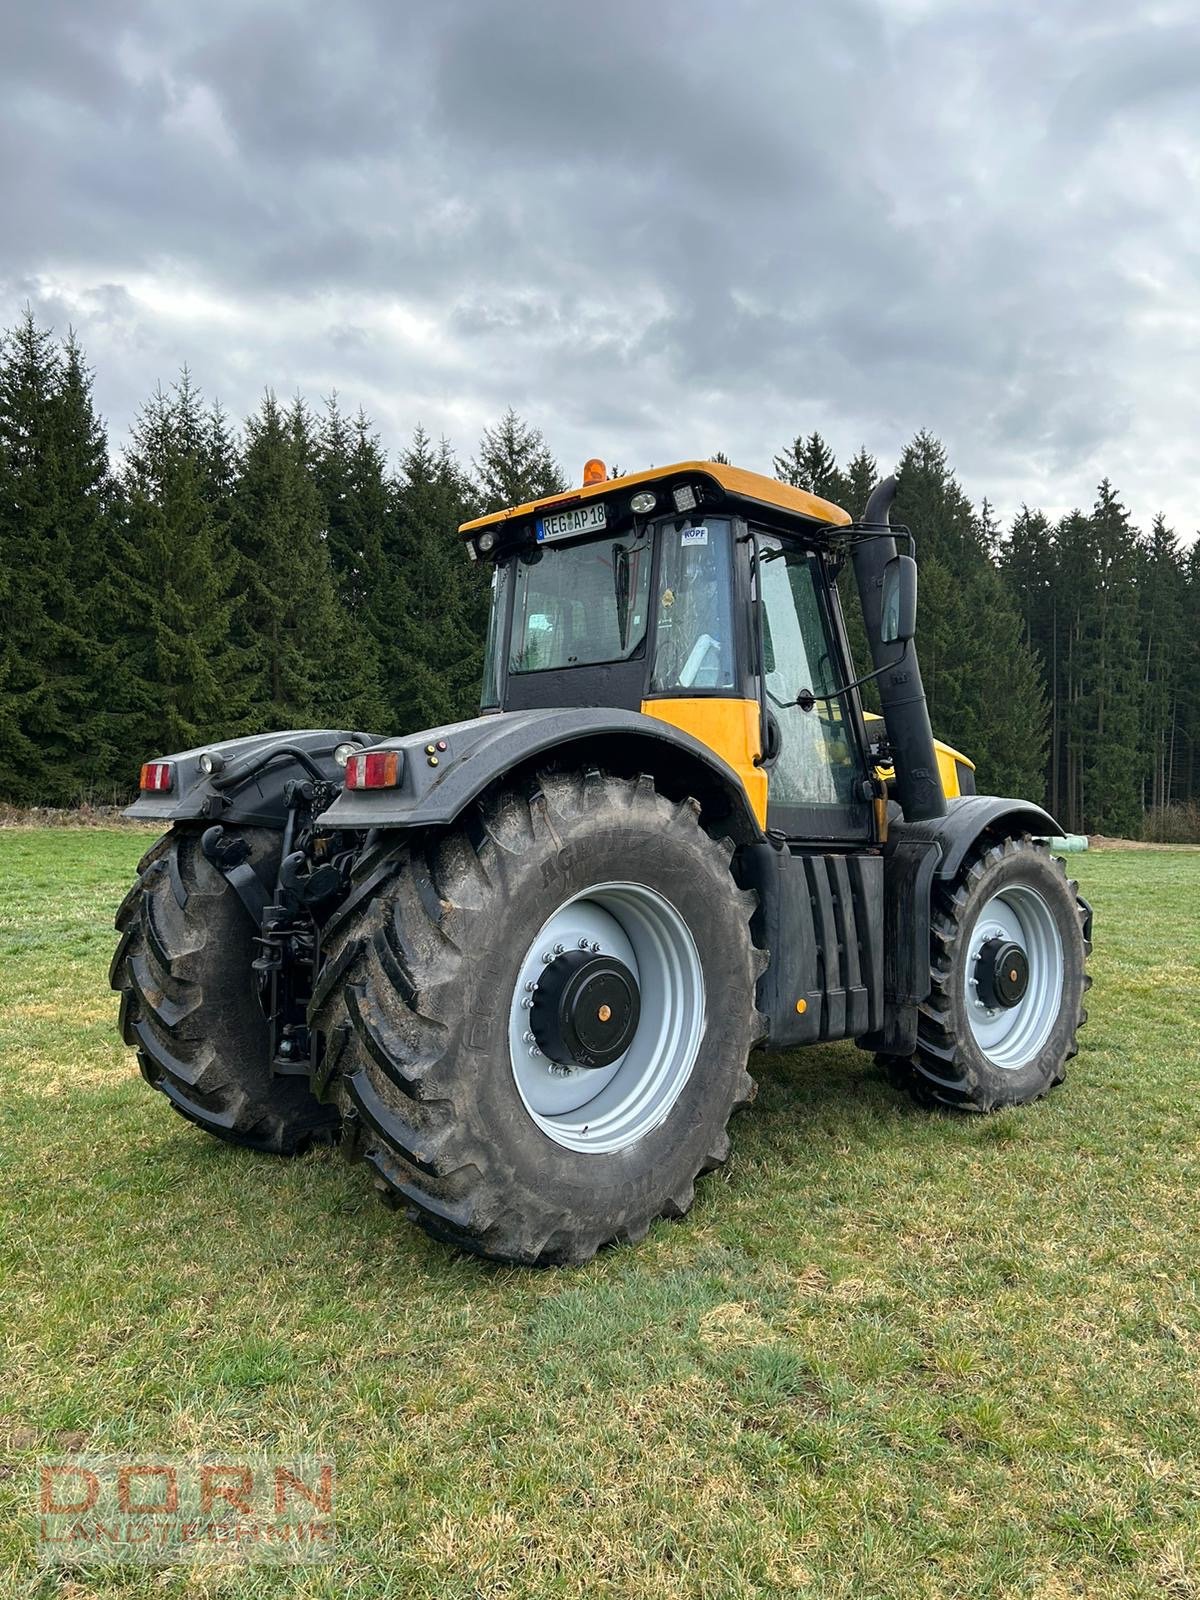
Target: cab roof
<point x="752" y="487"/>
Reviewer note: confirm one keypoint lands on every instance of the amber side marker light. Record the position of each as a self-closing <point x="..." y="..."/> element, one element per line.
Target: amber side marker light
<point x="157" y="777"/>
<point x="594" y="471"/>
<point x="375" y="769"/>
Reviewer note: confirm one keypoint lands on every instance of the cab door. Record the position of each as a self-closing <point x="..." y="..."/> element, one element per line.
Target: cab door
<point x="817" y="771"/>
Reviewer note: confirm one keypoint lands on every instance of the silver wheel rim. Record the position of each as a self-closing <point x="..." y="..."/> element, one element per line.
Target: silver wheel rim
<point x="1010" y="1037"/>
<point x="598" y="1110"/>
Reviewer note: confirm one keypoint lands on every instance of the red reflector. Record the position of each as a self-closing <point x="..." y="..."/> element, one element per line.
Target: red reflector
<point x="376" y="769"/>
<point x="157" y="777"/>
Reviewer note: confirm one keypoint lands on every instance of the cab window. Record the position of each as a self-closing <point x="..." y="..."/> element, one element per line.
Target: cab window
<point x="694" y="610"/>
<point x="579" y="604"/>
<point x="819" y="767"/>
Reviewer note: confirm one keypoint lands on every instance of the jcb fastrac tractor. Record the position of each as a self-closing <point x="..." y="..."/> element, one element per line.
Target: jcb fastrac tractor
<point x="519" y="963"/>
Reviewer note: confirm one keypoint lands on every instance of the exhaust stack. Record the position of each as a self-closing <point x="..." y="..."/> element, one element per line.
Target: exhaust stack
<point x="905" y="714"/>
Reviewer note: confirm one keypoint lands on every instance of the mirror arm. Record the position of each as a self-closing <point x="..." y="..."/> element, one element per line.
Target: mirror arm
<point x="833" y="694"/>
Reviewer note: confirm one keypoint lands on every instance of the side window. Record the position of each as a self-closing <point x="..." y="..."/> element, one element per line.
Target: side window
<point x="490" y="697"/>
<point x="818" y="765"/>
<point x="695" y="641"/>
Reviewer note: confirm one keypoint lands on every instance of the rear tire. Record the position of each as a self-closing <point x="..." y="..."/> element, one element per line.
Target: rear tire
<point x="434" y="948"/>
<point x="976" y="1052"/>
<point x="188" y="1000"/>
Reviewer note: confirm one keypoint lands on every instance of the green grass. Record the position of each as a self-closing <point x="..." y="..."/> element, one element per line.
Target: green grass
<point x="888" y="1354"/>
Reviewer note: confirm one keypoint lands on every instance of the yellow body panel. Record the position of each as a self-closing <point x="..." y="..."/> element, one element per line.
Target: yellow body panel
<point x="751" y="486"/>
<point x="730" y="729"/>
<point x="947" y="759"/>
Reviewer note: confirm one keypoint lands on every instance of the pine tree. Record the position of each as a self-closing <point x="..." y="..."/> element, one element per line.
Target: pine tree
<point x="435" y="599"/>
<point x="515" y="465"/>
<point x="930" y="501"/>
<point x="1162" y="593"/>
<point x="1027" y="566"/>
<point x="187" y="678"/>
<point x="1188" y="780"/>
<point x="988" y="528"/>
<point x="1113" y="762"/>
<point x="1072" y="586"/>
<point x="351" y="475"/>
<point x="810" y="464"/>
<point x="859" y="480"/>
<point x="30" y="372"/>
<point x="57" y="734"/>
<point x="981" y="677"/>
<point x="309" y="665"/>
<point x="219" y="452"/>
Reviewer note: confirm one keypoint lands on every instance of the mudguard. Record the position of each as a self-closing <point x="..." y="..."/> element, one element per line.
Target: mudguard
<point x="967" y="818"/>
<point x="249" y="788"/>
<point x="444" y="769"/>
<point x="915" y="855"/>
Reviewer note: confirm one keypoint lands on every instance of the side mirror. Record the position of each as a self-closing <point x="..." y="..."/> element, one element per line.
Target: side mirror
<point x="898" y="614"/>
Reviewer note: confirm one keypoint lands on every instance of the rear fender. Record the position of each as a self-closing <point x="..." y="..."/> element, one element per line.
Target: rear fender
<point x="249" y="788"/>
<point x="438" y="784"/>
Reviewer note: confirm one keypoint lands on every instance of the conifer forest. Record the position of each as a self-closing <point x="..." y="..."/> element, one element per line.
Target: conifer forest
<point x="220" y="576"/>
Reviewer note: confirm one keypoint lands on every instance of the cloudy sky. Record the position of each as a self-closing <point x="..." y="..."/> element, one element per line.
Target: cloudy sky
<point x="658" y="228"/>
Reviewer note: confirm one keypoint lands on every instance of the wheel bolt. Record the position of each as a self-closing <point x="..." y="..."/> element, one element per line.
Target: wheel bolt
<point x="559" y="949"/>
<point x="596" y="949"/>
<point x="528" y="1002"/>
<point x="531" y="986"/>
<point x="529" y="1037"/>
<point x="583" y="944"/>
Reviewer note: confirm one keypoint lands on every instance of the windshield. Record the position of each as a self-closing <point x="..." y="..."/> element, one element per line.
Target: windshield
<point x="580" y="604"/>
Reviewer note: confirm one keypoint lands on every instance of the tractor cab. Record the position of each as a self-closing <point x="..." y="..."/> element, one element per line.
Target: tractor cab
<point x="703" y="596"/>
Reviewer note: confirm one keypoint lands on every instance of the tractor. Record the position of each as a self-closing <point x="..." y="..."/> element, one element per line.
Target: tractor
<point x="519" y="964"/>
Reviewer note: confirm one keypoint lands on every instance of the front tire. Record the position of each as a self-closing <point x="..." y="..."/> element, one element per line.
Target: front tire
<point x="559" y="893"/>
<point x="1009" y="954"/>
<point x="188" y="1002"/>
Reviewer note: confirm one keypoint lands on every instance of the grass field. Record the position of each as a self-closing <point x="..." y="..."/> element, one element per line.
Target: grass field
<point x="888" y="1354"/>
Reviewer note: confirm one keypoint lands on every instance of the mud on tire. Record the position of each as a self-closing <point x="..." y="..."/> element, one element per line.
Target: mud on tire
<point x="188" y="1004"/>
<point x="413" y="1006"/>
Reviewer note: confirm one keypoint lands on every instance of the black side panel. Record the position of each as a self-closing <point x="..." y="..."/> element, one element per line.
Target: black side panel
<point x="620" y="684"/>
<point x="867" y="881"/>
<point x="909" y="866"/>
<point x="821" y="919"/>
<point x="783" y="926"/>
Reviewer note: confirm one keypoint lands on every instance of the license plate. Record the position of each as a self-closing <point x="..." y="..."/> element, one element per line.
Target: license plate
<point x="568" y="524"/>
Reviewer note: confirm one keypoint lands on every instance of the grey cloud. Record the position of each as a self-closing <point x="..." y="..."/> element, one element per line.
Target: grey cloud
<point x="656" y="231"/>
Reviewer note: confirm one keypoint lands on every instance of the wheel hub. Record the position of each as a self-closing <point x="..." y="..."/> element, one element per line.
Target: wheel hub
<point x="652" y="985"/>
<point x="1001" y="974"/>
<point x="585" y="1009"/>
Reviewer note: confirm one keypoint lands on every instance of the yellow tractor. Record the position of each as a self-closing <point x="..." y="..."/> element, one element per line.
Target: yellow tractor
<point x="519" y="964"/>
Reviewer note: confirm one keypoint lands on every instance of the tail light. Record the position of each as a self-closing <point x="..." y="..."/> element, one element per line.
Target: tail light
<point x="157" y="777"/>
<point x="374" y="769"/>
